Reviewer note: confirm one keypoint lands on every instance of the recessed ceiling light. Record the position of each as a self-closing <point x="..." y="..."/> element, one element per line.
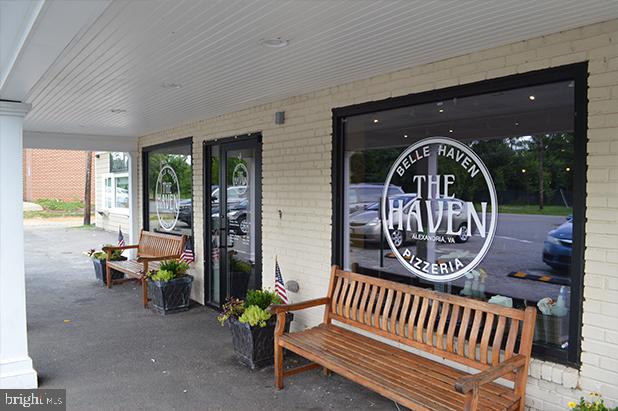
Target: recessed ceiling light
<point x="568" y="169"/>
<point x="531" y="97"/>
<point x="171" y="85"/>
<point x="405" y="136"/>
<point x="118" y="110"/>
<point x="375" y="120"/>
<point x="274" y="43"/>
<point x="517" y="123"/>
<point x="450" y="130"/>
<point x="523" y="170"/>
<point x="441" y="110"/>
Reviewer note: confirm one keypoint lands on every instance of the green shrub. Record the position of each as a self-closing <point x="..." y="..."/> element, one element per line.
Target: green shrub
<point x="255" y="316"/>
<point x="163" y="275"/>
<point x="262" y="298"/>
<point x="175" y="266"/>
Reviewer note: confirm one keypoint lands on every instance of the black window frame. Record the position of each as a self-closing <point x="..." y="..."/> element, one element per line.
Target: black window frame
<point x="576" y="72"/>
<point x="145" y="203"/>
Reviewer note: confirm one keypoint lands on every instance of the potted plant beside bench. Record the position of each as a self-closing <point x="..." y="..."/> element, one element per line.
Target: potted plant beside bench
<point x="169" y="287"/>
<point x="253" y="327"/>
<point x="98" y="261"/>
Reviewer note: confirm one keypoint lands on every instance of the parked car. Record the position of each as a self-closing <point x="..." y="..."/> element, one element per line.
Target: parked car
<point x="558" y="246"/>
<point x="237" y="217"/>
<point x="363" y="195"/>
<point x="185" y="212"/>
<point x="365" y="224"/>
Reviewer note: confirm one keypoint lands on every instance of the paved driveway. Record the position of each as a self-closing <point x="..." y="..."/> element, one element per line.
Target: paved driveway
<point x="111" y="354"/>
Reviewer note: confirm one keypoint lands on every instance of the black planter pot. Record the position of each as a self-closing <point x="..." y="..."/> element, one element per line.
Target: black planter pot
<point x="167" y="297"/>
<point x="99" y="270"/>
<point x="254" y="346"/>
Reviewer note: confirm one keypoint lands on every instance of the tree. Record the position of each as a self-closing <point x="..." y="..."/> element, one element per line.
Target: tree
<point x="88" y="188"/>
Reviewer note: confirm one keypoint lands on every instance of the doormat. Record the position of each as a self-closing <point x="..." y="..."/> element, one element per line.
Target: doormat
<point x="545" y="278"/>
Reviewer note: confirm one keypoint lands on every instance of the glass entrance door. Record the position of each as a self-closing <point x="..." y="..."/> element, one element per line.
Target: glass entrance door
<point x="233" y="182"/>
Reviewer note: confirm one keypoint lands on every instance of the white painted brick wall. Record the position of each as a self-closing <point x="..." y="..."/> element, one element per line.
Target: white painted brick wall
<point x="297" y="177"/>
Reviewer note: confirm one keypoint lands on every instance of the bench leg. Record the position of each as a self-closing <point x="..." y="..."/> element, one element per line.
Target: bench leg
<point x="325" y="371"/>
<point x="472" y="400"/>
<point x="145" y="292"/>
<point x="278" y="365"/>
<point x="108" y="276"/>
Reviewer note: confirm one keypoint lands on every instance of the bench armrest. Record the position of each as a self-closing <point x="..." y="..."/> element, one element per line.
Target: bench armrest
<point x="284" y="308"/>
<point x="471" y="382"/>
<point x="159" y="258"/>
<point x="124" y="247"/>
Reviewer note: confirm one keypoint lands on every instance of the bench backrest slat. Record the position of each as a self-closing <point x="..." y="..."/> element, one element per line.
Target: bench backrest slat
<point x="157" y="244"/>
<point x="464" y="330"/>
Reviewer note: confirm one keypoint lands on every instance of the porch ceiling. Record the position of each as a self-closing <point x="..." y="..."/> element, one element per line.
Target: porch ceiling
<point x="122" y="59"/>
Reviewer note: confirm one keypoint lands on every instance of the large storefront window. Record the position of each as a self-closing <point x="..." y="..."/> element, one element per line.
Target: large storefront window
<point x="417" y="206"/>
<point x="168" y="206"/>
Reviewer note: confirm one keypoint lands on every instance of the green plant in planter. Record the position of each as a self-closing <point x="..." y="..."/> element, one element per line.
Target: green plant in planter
<point x="255" y="316"/>
<point x="252" y="310"/>
<point x="262" y="298"/>
<point x="162" y="275"/>
<point x="176" y="267"/>
<point x="102" y="255"/>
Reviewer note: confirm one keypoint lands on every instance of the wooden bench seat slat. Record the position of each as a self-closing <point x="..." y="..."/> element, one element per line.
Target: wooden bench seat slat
<point x="474" y="334"/>
<point x="441" y="325"/>
<point x="497" y="342"/>
<point x="395" y="312"/>
<point x="466" y="331"/>
<point x="385" y="317"/>
<point x="383" y="360"/>
<point x="354" y="308"/>
<point x="450" y="336"/>
<point x="403" y="315"/>
<point x="487" y="329"/>
<point x="421" y="365"/>
<point x="512" y="339"/>
<point x="377" y="310"/>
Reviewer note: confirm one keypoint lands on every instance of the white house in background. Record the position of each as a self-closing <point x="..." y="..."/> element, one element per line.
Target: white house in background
<point x="111" y="184"/>
<point x="279" y="115"/>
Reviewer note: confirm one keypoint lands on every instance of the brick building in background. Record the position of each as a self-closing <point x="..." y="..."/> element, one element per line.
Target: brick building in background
<point x="58" y="174"/>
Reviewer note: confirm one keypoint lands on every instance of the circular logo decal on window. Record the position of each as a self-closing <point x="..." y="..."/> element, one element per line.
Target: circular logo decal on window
<point x="240" y="178"/>
<point x="167" y="198"/>
<point x="450" y="210"/>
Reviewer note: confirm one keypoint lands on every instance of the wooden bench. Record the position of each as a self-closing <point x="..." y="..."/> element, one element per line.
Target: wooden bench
<point x="151" y="249"/>
<point x="492" y="339"/>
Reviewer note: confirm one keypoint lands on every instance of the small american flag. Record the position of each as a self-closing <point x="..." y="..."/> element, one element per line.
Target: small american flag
<point x="187" y="254"/>
<point x="280" y="285"/>
<point x="121" y="242"/>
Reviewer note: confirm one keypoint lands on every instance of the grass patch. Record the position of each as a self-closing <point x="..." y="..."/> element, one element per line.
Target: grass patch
<point x="534" y="209"/>
<point x="53" y="204"/>
<point x="56" y="208"/>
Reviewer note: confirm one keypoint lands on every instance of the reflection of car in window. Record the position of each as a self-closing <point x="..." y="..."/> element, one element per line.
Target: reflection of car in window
<point x="558" y="246"/>
<point x="362" y="195"/>
<point x="365" y="224"/>
<point x="185" y="212"/>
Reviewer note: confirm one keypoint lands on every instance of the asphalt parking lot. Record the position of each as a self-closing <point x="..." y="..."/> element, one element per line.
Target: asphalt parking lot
<point x="517" y="246"/>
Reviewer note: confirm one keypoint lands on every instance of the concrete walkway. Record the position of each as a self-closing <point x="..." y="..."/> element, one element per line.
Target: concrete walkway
<point x="111" y="354"/>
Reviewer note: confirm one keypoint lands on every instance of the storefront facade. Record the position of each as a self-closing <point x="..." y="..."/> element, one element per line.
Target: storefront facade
<point x="558" y="91"/>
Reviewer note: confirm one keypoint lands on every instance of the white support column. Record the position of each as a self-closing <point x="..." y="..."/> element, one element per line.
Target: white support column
<point x="133" y="203"/>
<point x="15" y="365"/>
